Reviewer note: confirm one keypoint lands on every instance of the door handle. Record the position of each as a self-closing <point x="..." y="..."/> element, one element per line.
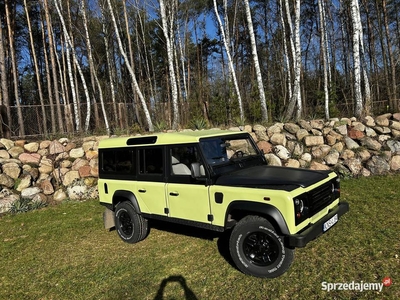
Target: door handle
<point x="174" y="194"/>
<point x="142" y="190"/>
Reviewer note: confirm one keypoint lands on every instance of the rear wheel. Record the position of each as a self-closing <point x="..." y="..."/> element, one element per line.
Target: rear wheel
<point x="131" y="226"/>
<point x="258" y="250"/>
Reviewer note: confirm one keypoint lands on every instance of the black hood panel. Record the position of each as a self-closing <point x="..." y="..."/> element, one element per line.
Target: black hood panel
<point x="281" y="178"/>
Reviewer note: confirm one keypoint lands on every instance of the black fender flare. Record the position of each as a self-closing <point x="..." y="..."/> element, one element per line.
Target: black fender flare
<point x="262" y="209"/>
<point x="128" y="196"/>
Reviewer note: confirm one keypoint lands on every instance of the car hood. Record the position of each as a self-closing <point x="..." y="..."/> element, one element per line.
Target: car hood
<point x="272" y="177"/>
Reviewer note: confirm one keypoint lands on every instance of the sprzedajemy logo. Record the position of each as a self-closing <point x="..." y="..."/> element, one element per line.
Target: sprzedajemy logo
<point x="356" y="286"/>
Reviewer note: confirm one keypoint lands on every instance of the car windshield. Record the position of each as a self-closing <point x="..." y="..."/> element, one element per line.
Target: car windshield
<point x="228" y="150"/>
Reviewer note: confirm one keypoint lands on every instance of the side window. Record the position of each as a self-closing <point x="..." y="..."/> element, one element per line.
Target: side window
<point x="108" y="161"/>
<point x="123" y="162"/>
<point x="151" y="161"/>
<point x="117" y="161"/>
<point x="182" y="158"/>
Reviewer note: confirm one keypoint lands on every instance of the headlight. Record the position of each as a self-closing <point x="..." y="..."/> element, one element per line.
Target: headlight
<point x="299" y="205"/>
<point x="300" y="208"/>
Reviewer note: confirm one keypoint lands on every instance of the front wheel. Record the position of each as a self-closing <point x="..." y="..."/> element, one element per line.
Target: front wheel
<point x="131" y="226"/>
<point x="258" y="250"/>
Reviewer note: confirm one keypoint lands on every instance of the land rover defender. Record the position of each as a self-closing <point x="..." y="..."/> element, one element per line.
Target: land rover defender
<point x="217" y="180"/>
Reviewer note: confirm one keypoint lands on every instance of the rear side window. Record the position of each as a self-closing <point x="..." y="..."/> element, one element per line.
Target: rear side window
<point x="151" y="161"/>
<point x="117" y="161"/>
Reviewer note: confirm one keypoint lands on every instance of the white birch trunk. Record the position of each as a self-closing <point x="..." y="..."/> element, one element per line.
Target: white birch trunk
<point x="168" y="34"/>
<point x="73" y="93"/>
<point x="367" y="88"/>
<point x="297" y="71"/>
<point x="74" y="56"/>
<point x="356" y="58"/>
<point x="230" y="62"/>
<point x="264" y="111"/>
<point x="131" y="72"/>
<point x="322" y="20"/>
<point x="55" y="90"/>
<point x="296" y="60"/>
<point x="182" y="61"/>
<point x="146" y="54"/>
<point x="110" y="68"/>
<point x="91" y="65"/>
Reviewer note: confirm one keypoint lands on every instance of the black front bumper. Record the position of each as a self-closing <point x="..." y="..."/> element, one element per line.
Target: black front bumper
<point x="315" y="230"/>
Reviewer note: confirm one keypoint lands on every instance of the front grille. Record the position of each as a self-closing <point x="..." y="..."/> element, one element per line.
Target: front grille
<point x="321" y="197"/>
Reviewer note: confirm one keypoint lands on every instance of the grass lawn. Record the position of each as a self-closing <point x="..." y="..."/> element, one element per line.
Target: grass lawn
<point x="63" y="252"/>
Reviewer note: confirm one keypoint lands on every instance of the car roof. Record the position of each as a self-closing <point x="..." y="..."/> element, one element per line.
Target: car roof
<point x="181" y="137"/>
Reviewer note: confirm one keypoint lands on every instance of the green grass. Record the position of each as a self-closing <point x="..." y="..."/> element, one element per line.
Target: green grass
<point x="63" y="252"/>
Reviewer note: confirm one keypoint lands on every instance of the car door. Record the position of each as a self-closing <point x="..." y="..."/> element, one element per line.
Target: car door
<point x="150" y="187"/>
<point x="187" y="197"/>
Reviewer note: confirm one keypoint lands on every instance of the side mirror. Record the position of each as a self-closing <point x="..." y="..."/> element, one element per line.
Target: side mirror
<point x="197" y="170"/>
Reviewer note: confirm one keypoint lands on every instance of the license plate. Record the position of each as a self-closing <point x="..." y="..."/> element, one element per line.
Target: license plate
<point x="328" y="224"/>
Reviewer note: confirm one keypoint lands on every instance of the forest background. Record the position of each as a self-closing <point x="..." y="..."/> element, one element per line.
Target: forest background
<point x="124" y="66"/>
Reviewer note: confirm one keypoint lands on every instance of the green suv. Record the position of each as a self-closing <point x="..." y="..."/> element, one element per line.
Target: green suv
<point x="217" y="180"/>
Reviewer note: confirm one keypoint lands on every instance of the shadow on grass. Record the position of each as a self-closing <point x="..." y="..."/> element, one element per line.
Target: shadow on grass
<point x="189" y="295"/>
<point x="223" y="237"/>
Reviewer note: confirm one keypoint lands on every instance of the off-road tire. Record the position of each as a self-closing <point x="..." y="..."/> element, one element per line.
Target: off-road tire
<point x="131" y="226"/>
<point x="257" y="250"/>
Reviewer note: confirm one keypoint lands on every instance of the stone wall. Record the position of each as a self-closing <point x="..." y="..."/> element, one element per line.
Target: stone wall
<point x="52" y="171"/>
<point x="49" y="171"/>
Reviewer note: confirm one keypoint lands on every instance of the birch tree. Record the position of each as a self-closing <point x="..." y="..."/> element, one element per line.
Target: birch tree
<point x="131" y="72"/>
<point x="168" y="30"/>
<point x="322" y="20"/>
<point x="130" y="51"/>
<point x="230" y="61"/>
<point x="264" y="111"/>
<point x="93" y="73"/>
<point x="355" y="12"/>
<point x="109" y="65"/>
<point x="75" y="59"/>
<point x="295" y="46"/>
<point x="54" y="76"/>
<point x="367" y="89"/>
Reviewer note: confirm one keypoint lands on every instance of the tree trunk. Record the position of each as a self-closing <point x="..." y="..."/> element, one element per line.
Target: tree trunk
<point x="37" y="71"/>
<point x="93" y="74"/>
<point x="131" y="72"/>
<point x="296" y="60"/>
<point x="321" y="8"/>
<point x="367" y="89"/>
<point x="286" y="55"/>
<point x="109" y="68"/>
<point x="168" y="34"/>
<point x="393" y="88"/>
<point x="264" y="111"/>
<point x="74" y="56"/>
<point x="14" y="69"/>
<point x="230" y="62"/>
<point x="54" y="74"/>
<point x="4" y="99"/>
<point x="355" y="13"/>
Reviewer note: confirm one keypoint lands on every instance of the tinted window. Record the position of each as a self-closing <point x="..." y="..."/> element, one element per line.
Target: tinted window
<point x="117" y="161"/>
<point x="151" y="161"/>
